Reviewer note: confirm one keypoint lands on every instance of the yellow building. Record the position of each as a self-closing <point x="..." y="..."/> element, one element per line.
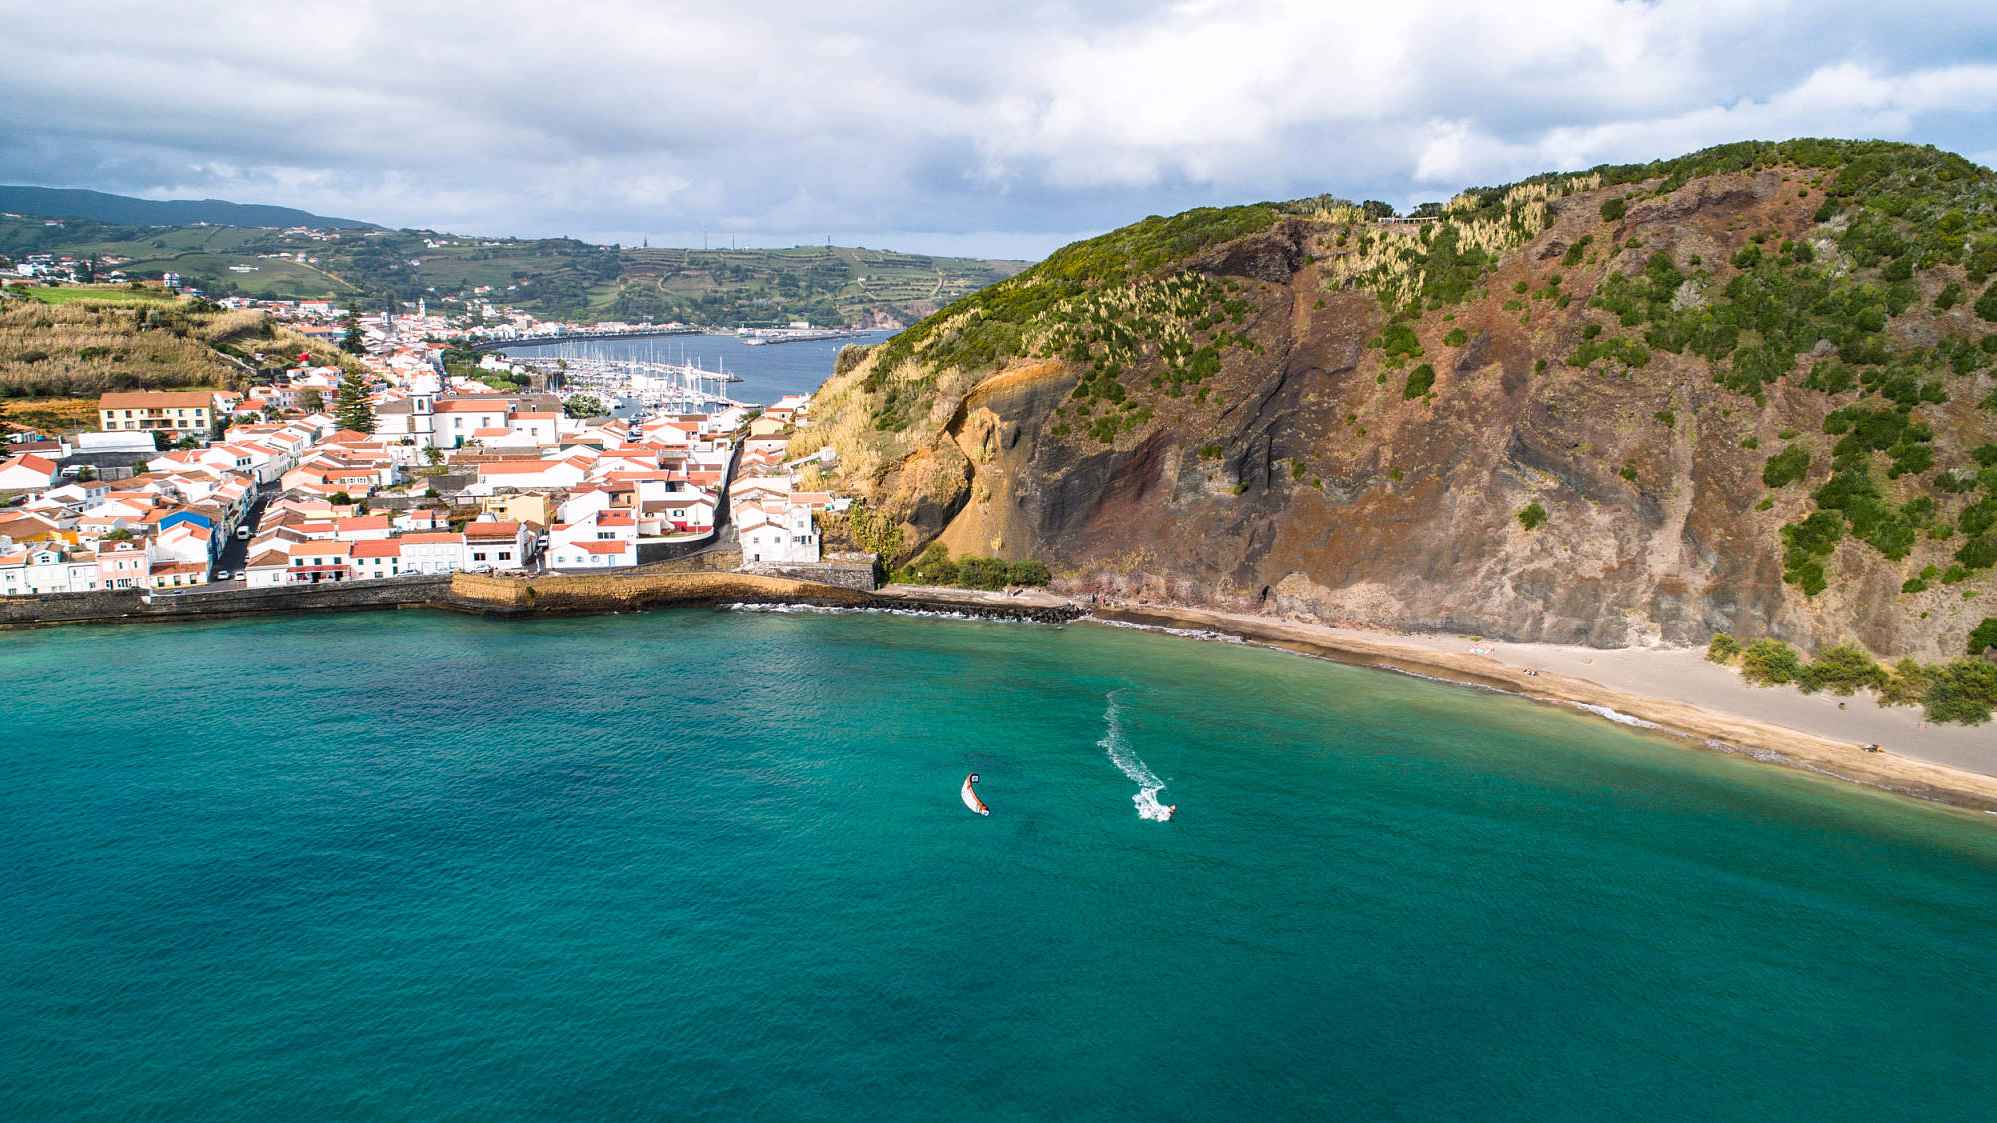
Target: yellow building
<point x="186" y="412"/>
<point x="521" y="506"/>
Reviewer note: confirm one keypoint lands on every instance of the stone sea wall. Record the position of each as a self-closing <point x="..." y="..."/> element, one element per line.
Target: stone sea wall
<point x="115" y="607"/>
<point x="687" y="582"/>
<point x="615" y="592"/>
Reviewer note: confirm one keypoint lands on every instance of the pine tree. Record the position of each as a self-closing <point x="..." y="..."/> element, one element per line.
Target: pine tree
<point x="351" y="342"/>
<point x="353" y="409"/>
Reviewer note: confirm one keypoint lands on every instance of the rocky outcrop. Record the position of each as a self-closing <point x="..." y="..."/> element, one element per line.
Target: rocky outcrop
<point x="1304" y="481"/>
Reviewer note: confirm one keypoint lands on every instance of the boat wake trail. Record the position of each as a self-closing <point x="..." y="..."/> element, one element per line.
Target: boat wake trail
<point x="1127" y="762"/>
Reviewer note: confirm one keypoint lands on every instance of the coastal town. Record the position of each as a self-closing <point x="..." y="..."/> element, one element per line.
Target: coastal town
<point x="389" y="465"/>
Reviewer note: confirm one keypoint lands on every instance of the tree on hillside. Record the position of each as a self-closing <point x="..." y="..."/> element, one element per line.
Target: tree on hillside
<point x="311" y="401"/>
<point x="584" y="405"/>
<point x="352" y="409"/>
<point x="351" y="342"/>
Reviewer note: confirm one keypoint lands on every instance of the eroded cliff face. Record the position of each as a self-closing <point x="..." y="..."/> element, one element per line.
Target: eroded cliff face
<point x="1305" y="482"/>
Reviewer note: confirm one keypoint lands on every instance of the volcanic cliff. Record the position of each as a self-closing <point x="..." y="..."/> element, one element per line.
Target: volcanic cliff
<point x="1746" y="390"/>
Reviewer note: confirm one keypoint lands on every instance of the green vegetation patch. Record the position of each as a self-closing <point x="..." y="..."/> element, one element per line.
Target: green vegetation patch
<point x="934" y="566"/>
<point x="96" y="294"/>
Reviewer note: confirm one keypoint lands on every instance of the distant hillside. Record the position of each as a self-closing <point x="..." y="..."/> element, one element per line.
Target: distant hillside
<point x="61" y="202"/>
<point x="556" y="277"/>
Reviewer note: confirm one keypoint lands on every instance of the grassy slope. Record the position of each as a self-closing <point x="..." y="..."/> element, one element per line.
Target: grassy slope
<point x="77" y="349"/>
<point x="74" y="294"/>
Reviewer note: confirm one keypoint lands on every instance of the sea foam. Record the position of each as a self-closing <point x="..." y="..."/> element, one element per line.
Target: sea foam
<point x="1616" y="716"/>
<point x="1118" y="750"/>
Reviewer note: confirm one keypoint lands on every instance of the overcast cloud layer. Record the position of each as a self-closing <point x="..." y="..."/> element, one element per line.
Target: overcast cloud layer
<point x="1005" y="129"/>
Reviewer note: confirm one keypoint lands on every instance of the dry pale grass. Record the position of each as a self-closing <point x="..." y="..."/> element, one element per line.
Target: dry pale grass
<point x="48" y="415"/>
<point x="78" y="350"/>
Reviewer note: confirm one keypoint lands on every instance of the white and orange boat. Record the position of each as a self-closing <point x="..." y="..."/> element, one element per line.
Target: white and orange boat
<point x="970" y="794"/>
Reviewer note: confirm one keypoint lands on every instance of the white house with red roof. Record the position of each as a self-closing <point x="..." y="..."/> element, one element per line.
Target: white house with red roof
<point x="497" y="544"/>
<point x="458" y="419"/>
<point x="267" y="569"/>
<point x="177" y="575"/>
<point x="537" y="427"/>
<point x="320" y="562"/>
<point x="593" y="554"/>
<point x="432" y="552"/>
<point x="377" y="559"/>
<point x="776" y="531"/>
<point x="418" y="519"/>
<point x="499" y="475"/>
<point x="363" y="528"/>
<point x="27" y="472"/>
<point x="685" y="510"/>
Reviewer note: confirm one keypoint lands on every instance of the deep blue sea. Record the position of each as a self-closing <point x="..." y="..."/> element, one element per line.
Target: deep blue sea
<point x="713" y="865"/>
<point x="768" y="371"/>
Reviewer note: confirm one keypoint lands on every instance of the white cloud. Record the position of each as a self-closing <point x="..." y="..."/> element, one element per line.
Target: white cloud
<point x="913" y="121"/>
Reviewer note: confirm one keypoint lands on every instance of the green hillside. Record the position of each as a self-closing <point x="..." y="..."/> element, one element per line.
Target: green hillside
<point x="98" y="206"/>
<point x="554" y="277"/>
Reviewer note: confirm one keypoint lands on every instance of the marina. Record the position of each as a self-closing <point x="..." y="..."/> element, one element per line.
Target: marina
<point x="765" y="373"/>
<point x="644" y="386"/>
<point x="759" y="337"/>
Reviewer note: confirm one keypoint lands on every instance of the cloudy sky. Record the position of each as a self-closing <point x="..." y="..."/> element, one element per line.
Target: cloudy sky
<point x="1002" y="129"/>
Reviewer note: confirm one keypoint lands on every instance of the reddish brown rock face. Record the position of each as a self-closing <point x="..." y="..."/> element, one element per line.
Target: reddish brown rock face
<point x="1306" y="482"/>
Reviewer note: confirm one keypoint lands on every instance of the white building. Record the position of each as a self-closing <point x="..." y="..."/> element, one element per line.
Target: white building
<point x="784" y="535"/>
<point x="48" y="568"/>
<point x="27" y="473"/>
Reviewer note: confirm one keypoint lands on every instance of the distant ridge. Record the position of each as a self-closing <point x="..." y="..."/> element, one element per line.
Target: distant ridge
<point x="62" y="202"/>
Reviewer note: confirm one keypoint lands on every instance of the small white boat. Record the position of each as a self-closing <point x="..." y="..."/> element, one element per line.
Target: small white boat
<point x="970" y="795"/>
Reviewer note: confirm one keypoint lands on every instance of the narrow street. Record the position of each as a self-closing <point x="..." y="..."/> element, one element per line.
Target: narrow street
<point x="236" y="551"/>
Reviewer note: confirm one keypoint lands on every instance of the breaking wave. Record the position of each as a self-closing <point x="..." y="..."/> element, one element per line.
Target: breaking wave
<point x="1186" y="633"/>
<point x="1127" y="762"/>
<point x="858" y="610"/>
<point x="1616" y="716"/>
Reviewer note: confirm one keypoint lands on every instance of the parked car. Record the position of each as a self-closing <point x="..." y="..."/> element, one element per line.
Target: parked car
<point x="221" y="575"/>
<point x="242" y="532"/>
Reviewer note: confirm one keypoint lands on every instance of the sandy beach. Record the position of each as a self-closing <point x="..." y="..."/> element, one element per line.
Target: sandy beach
<point x="1674" y="689"/>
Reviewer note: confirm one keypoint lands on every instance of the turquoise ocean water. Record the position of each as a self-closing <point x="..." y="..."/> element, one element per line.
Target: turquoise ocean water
<point x="703" y="864"/>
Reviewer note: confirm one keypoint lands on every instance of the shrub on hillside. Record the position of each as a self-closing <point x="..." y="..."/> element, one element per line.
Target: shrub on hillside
<point x="1786" y="467"/>
<point x="1613" y="209"/>
<point x="1984" y="637"/>
<point x="1907" y="685"/>
<point x="933" y="567"/>
<point x="1419" y="381"/>
<point x="1532" y="516"/>
<point x="1400" y="339"/>
<point x="1962" y="692"/>
<point x="981" y="573"/>
<point x="936" y="567"/>
<point x="1722" y="648"/>
<point x="1843" y="670"/>
<point x="1769" y="662"/>
<point x="1028" y="572"/>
